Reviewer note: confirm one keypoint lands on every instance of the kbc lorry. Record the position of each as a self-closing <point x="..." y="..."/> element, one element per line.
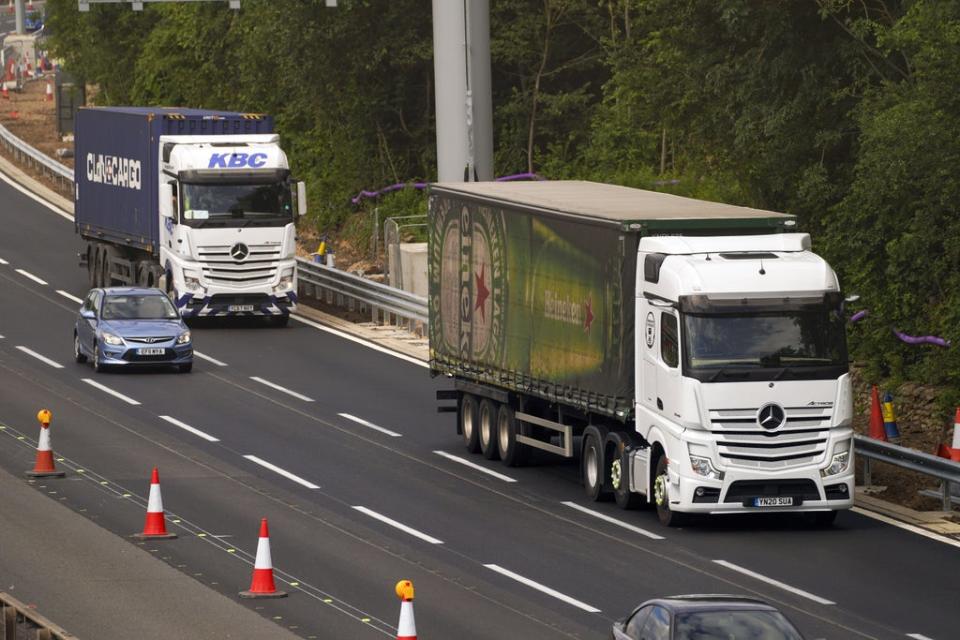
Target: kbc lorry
<point x="691" y="354"/>
<point x="198" y="203"/>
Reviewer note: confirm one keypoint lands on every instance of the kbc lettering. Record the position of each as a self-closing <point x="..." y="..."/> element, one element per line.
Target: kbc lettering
<point x="237" y="160"/>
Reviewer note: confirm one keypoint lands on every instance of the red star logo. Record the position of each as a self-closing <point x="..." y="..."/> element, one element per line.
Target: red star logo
<point x="482" y="292"/>
<point x="587" y="315"/>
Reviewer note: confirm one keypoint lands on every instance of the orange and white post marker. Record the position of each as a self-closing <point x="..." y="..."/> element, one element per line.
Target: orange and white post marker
<point x="407" y="627"/>
<point x="155" y="526"/>
<point x="43" y="467"/>
<point x="262" y="585"/>
<point x="48" y="96"/>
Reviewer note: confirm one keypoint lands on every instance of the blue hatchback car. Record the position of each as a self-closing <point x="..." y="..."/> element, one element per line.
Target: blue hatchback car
<point x="129" y="326"/>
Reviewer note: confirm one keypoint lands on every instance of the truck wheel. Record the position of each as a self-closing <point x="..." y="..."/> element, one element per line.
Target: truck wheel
<point x="512" y="453"/>
<point x="108" y="254"/>
<point x="620" y="476"/>
<point x="661" y="496"/>
<point x="488" y="429"/>
<point x="92" y="265"/>
<point x="77" y="351"/>
<point x="468" y="422"/>
<point x="592" y="468"/>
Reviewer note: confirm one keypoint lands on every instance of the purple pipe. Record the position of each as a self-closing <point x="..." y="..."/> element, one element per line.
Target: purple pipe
<point x="934" y="340"/>
<point x="519" y="176"/>
<point x="423" y="185"/>
<point x="859" y="315"/>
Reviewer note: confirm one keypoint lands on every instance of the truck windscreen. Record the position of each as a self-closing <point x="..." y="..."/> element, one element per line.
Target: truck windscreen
<point x="770" y="345"/>
<point x="236" y="205"/>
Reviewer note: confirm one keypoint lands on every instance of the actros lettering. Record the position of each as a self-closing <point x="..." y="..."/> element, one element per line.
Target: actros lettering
<point x="237" y="160"/>
<point x="113" y="170"/>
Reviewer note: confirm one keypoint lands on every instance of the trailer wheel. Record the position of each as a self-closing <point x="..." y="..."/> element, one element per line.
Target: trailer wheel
<point x="661" y="496"/>
<point x="512" y="453"/>
<point x="92" y="265"/>
<point x="592" y="468"/>
<point x="488" y="429"/>
<point x="468" y="422"/>
<point x="97" y="275"/>
<point x="108" y="253"/>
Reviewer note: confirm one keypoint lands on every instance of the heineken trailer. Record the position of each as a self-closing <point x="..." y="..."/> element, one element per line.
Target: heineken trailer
<point x="695" y="351"/>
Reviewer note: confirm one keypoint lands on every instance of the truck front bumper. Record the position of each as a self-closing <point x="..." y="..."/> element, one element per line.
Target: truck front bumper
<point x="223" y="305"/>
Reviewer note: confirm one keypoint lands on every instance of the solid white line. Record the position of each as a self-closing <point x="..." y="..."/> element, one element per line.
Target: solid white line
<point x="279" y="388"/>
<point x="474" y="465"/>
<point x="283" y="472"/>
<point x="775" y="583"/>
<point x="186" y="427"/>
<point x="918" y="636"/>
<point x="397" y="525"/>
<point x="541" y="588"/>
<point x="907" y="527"/>
<point x="369" y="425"/>
<point x="13" y="183"/>
<point x="31" y="352"/>
<point x="69" y="296"/>
<point x="204" y="356"/>
<point x="27" y="274"/>
<point x="606" y="518"/>
<point x="366" y="343"/>
<point x="116" y="394"/>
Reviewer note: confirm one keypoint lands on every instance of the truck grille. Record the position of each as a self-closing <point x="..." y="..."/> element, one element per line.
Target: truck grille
<point x="259" y="267"/>
<point x="801" y="440"/>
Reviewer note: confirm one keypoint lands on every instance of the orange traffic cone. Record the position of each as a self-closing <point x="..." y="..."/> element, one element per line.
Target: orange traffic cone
<point x="877" y="432"/>
<point x="48" y="96"/>
<point x="262" y="584"/>
<point x="952" y="452"/>
<point x="43" y="467"/>
<point x="155" y="526"/>
<point x="407" y="627"/>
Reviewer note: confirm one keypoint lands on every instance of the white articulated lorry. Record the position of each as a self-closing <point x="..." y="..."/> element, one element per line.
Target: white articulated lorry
<point x="199" y="203"/>
<point x="695" y="351"/>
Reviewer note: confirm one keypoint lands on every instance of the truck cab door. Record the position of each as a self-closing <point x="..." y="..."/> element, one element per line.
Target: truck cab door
<point x="647" y="348"/>
<point x="668" y="364"/>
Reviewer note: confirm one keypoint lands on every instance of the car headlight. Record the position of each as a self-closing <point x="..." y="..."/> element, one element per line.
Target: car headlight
<point x="183" y="338"/>
<point x="840" y="460"/>
<point x="704" y="467"/>
<point x="109" y="338"/>
<point x="191" y="280"/>
<point x="286" y="280"/>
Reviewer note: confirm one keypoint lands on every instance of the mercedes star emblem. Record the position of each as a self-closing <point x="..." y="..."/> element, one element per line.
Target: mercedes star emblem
<point x="239" y="251"/>
<point x="771" y="416"/>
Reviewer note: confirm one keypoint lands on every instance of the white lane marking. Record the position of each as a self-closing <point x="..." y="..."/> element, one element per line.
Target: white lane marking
<point x="31" y="352"/>
<point x="186" y="427"/>
<point x="775" y="583"/>
<point x="204" y="356"/>
<point x="27" y="274"/>
<point x="606" y="518"/>
<point x="105" y="389"/>
<point x="541" y="588"/>
<point x="398" y="525"/>
<point x="369" y="425"/>
<point x="283" y="472"/>
<point x="2" y="261"/>
<point x="918" y="636"/>
<point x="907" y="527"/>
<point x="69" y="296"/>
<point x="13" y="183"/>
<point x="474" y="465"/>
<point x="279" y="388"/>
<point x="366" y="343"/>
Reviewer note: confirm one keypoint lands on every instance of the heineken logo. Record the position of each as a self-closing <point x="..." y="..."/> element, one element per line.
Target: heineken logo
<point x="564" y="309"/>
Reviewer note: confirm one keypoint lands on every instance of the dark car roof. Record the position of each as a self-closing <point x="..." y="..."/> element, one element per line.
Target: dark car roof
<point x="709" y="602"/>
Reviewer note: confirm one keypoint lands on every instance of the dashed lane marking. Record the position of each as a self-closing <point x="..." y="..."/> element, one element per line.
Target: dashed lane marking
<point x="204" y="356"/>
<point x="369" y="425"/>
<point x="44" y="359"/>
<point x="542" y="588"/>
<point x="106" y="389"/>
<point x="606" y="518"/>
<point x="283" y="472"/>
<point x="69" y="296"/>
<point x="918" y="636"/>
<point x="279" y="388"/>
<point x="474" y="465"/>
<point x="186" y="427"/>
<point x="27" y="274"/>
<point x="775" y="583"/>
<point x="2" y="261"/>
<point x="398" y="525"/>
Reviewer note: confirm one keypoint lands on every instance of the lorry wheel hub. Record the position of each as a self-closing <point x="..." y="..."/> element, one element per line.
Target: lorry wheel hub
<point x="615" y="474"/>
<point x="660" y="490"/>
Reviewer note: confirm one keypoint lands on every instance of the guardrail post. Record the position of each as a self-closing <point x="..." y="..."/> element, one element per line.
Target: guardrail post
<point x="947" y="504"/>
<point x="866" y="471"/>
<point x="9" y="621"/>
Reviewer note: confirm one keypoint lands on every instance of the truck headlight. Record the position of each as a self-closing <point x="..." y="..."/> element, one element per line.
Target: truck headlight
<point x="191" y="280"/>
<point x="704" y="467"/>
<point x="109" y="338"/>
<point x="840" y="460"/>
<point x="183" y="338"/>
<point x="286" y="280"/>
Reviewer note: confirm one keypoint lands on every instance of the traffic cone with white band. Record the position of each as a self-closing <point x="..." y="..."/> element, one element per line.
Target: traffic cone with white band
<point x="407" y="627"/>
<point x="952" y="452"/>
<point x="43" y="466"/>
<point x="262" y="584"/>
<point x="155" y="525"/>
<point x="48" y="96"/>
<point x="6" y="92"/>
<point x="877" y="432"/>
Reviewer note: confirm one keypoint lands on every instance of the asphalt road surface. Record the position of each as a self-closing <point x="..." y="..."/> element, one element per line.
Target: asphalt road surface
<point x="340" y="446"/>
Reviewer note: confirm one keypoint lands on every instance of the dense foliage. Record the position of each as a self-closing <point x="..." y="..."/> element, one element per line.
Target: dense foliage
<point x="845" y="112"/>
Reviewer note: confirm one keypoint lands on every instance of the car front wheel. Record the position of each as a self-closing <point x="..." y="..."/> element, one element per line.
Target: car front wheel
<point x="98" y="366"/>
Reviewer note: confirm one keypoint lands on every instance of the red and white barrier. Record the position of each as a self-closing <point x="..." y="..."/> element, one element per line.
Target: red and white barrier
<point x="155" y="525"/>
<point x="262" y="585"/>
<point x="43" y="466"/>
<point x="952" y="452"/>
<point x="407" y="627"/>
<point x="48" y="96"/>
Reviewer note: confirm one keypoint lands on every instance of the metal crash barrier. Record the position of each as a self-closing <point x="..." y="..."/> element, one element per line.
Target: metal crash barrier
<point x="947" y="471"/>
<point x="22" y="622"/>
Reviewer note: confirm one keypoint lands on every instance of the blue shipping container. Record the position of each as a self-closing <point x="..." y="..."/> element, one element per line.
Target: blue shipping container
<point x="116" y="174"/>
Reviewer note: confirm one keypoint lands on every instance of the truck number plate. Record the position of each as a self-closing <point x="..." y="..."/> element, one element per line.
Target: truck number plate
<point x="240" y="307"/>
<point x="150" y="351"/>
<point x="779" y="501"/>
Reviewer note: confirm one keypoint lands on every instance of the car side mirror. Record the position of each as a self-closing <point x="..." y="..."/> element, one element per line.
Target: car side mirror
<point x="88" y="314"/>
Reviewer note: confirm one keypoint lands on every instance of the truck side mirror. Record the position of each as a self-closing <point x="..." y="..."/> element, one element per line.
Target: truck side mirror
<point x="166" y="200"/>
<point x="302" y="198"/>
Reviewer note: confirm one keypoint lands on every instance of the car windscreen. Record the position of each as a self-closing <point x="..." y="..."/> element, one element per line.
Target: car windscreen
<point x="236" y="204"/>
<point x="733" y="625"/>
<point x="138" y="307"/>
